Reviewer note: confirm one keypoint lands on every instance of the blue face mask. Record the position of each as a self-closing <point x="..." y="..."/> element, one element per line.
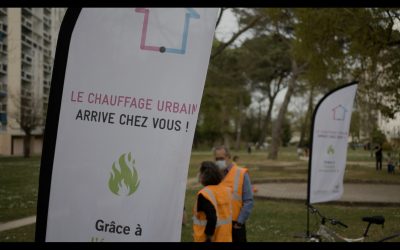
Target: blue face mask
<point x="221" y="164"/>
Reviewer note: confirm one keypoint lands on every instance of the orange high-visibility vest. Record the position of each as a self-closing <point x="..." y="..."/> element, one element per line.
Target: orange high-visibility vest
<point x="220" y="197"/>
<point x="234" y="180"/>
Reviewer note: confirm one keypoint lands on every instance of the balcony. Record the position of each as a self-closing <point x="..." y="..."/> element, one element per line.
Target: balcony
<point x="26" y="93"/>
<point x="46" y="90"/>
<point x="46" y="21"/>
<point x="26" y="23"/>
<point x="3" y="118"/>
<point x="46" y="32"/>
<point x="46" y="63"/>
<point x="47" y="68"/>
<point x="3" y="89"/>
<point x="27" y="41"/>
<point x="3" y="48"/>
<point x="3" y="27"/>
<point x="47" y="37"/>
<point x="47" y="52"/>
<point x="3" y="68"/>
<point x="26" y="58"/>
<point x="26" y="76"/>
<point x="27" y="10"/>
<point x="47" y="77"/>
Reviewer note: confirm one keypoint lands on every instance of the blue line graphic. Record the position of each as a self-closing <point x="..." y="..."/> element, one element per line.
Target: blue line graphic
<point x="190" y="13"/>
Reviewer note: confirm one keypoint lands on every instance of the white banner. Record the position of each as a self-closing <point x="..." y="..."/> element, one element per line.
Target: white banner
<point x="329" y="145"/>
<point x="132" y="91"/>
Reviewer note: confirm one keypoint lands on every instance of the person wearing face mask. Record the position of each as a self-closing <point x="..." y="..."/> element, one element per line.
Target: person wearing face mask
<point x="236" y="178"/>
<point x="212" y="220"/>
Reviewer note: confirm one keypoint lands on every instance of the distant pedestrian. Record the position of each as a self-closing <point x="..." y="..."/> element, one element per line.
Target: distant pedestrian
<point x="249" y="148"/>
<point x="306" y="153"/>
<point x="378" y="157"/>
<point x="299" y="152"/>
<point x="390" y="164"/>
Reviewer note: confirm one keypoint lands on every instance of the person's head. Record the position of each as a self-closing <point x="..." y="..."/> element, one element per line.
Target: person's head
<point x="235" y="158"/>
<point x="209" y="174"/>
<point x="222" y="157"/>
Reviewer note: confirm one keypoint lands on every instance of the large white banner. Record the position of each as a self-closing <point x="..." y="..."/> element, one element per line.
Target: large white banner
<point x="329" y="145"/>
<point x="132" y="91"/>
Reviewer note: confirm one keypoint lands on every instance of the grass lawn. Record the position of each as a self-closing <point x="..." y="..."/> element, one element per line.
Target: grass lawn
<point x="269" y="221"/>
<point x="19" y="181"/>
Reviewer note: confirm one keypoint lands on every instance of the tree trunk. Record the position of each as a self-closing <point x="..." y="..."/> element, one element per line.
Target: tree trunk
<point x="266" y="122"/>
<point x="225" y="128"/>
<point x="27" y="145"/>
<point x="277" y="127"/>
<point x="227" y="140"/>
<point x="307" y="120"/>
<point x="239" y="125"/>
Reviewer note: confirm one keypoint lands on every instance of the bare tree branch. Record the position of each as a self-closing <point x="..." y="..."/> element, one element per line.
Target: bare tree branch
<point x="219" y="17"/>
<point x="221" y="48"/>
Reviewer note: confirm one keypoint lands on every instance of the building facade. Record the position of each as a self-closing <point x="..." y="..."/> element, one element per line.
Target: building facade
<point x="28" y="39"/>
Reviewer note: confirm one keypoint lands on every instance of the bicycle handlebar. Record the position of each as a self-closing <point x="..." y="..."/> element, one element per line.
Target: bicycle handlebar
<point x="333" y="221"/>
<point x="341" y="224"/>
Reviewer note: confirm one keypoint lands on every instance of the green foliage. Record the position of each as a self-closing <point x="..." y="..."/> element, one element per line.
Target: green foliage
<point x="225" y="98"/>
<point x="378" y="137"/>
<point x="355" y="125"/>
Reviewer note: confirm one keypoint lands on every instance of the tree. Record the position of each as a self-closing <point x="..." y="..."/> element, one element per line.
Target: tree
<point x="355" y="126"/>
<point x="356" y="44"/>
<point x="286" y="132"/>
<point x="378" y="137"/>
<point x="225" y="97"/>
<point x="269" y="67"/>
<point x="28" y="116"/>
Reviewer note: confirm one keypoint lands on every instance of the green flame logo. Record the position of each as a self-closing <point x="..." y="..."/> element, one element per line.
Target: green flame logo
<point x="331" y="150"/>
<point x="125" y="180"/>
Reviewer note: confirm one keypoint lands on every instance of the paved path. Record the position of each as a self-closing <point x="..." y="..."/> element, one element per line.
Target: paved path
<point x="367" y="193"/>
<point x="17" y="223"/>
<point x="353" y="192"/>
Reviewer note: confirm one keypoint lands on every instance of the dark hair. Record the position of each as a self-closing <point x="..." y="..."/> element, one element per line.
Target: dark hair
<point x="210" y="174"/>
<point x="235" y="158"/>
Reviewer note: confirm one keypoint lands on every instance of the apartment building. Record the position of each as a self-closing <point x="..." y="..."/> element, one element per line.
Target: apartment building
<point x="28" y="39"/>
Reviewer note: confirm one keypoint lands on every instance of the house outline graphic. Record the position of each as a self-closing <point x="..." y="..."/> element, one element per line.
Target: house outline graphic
<point x="190" y="13"/>
<point x="339" y="113"/>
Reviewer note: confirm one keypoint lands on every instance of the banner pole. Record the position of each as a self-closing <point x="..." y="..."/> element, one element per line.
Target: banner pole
<point x="309" y="165"/>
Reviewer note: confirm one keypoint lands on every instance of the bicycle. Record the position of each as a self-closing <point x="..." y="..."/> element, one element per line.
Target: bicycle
<point x="325" y="233"/>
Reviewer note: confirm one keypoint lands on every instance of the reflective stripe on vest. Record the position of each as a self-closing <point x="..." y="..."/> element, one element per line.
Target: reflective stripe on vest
<point x="212" y="197"/>
<point x="236" y="195"/>
<point x="214" y="202"/>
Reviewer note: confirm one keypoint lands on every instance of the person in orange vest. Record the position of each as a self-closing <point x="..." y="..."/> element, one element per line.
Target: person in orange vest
<point x="212" y="220"/>
<point x="236" y="178"/>
<point x="236" y="161"/>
